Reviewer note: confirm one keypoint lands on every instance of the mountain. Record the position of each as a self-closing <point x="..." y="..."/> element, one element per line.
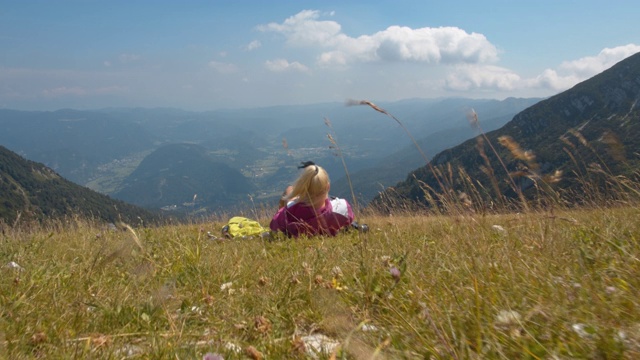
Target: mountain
<point x="591" y="128"/>
<point x="32" y="191"/>
<point x="184" y="176"/>
<point x="370" y="181"/>
<point x="101" y="149"/>
<point x="71" y="142"/>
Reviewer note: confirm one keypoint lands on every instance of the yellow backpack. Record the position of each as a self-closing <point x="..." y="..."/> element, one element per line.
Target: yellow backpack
<point x="239" y="226"/>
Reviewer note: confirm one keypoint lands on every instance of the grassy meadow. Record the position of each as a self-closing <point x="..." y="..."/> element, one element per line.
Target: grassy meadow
<point x="549" y="281"/>
<point x="534" y="285"/>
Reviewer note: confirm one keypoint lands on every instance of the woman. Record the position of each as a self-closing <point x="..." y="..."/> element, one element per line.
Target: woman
<point x="307" y="208"/>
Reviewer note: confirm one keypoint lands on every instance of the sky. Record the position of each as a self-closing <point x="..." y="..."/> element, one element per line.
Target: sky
<point x="208" y="55"/>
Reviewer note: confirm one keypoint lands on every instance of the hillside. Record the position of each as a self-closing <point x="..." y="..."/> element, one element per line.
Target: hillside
<point x="369" y="182"/>
<point x="595" y="122"/>
<point x="71" y="142"/>
<point x="34" y="192"/>
<point x="171" y="176"/>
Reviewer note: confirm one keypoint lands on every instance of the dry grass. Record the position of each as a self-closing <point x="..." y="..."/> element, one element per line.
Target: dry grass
<point x="511" y="286"/>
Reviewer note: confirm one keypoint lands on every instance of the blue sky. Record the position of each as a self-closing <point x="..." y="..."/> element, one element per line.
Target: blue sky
<point x="205" y="55"/>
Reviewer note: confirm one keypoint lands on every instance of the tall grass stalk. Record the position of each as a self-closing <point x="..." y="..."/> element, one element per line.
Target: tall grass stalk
<point x="334" y="145"/>
<point x="404" y="128"/>
<point x="473" y="119"/>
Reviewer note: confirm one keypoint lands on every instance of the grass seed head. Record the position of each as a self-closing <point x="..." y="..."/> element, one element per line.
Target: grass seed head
<point x="513" y="147"/>
<point x="472" y="117"/>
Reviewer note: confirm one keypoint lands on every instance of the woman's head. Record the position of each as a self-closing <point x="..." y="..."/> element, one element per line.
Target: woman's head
<point x="312" y="186"/>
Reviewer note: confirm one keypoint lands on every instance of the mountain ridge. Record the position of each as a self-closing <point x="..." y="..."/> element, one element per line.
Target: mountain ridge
<point x="603" y="106"/>
<point x="31" y="191"/>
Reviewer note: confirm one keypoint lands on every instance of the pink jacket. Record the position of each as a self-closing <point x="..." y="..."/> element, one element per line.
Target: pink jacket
<point x="297" y="219"/>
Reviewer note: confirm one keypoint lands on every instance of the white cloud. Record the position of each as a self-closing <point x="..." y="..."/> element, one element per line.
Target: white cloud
<point x="566" y="75"/>
<point x="450" y="45"/>
<point x="570" y="73"/>
<point x="281" y="65"/>
<point x="303" y="29"/>
<point x="253" y="45"/>
<point x="223" y="68"/>
<point x="591" y="65"/>
<point x="550" y="79"/>
<point x="487" y="77"/>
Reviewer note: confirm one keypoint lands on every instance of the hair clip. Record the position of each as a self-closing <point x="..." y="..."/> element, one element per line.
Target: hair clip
<point x="308" y="163"/>
<point x="305" y="164"/>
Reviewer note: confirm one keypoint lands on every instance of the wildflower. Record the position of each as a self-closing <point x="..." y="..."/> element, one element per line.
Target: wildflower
<point x="583" y="330"/>
<point x="335" y="284"/>
<point x="196" y="310"/>
<point x="509" y="320"/>
<point x="369" y="328"/>
<point x="227" y="287"/>
<point x="395" y="273"/>
<point x="337" y="272"/>
<point x="212" y="356"/>
<point x="232" y="347"/>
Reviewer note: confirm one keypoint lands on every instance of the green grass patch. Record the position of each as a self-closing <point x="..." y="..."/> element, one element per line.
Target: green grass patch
<point x="535" y="286"/>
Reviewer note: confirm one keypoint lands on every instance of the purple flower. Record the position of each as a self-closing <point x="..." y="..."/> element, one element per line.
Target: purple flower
<point x="212" y="356"/>
<point x="395" y="273"/>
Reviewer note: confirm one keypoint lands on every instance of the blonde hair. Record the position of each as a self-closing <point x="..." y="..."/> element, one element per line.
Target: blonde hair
<point x="312" y="186"/>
